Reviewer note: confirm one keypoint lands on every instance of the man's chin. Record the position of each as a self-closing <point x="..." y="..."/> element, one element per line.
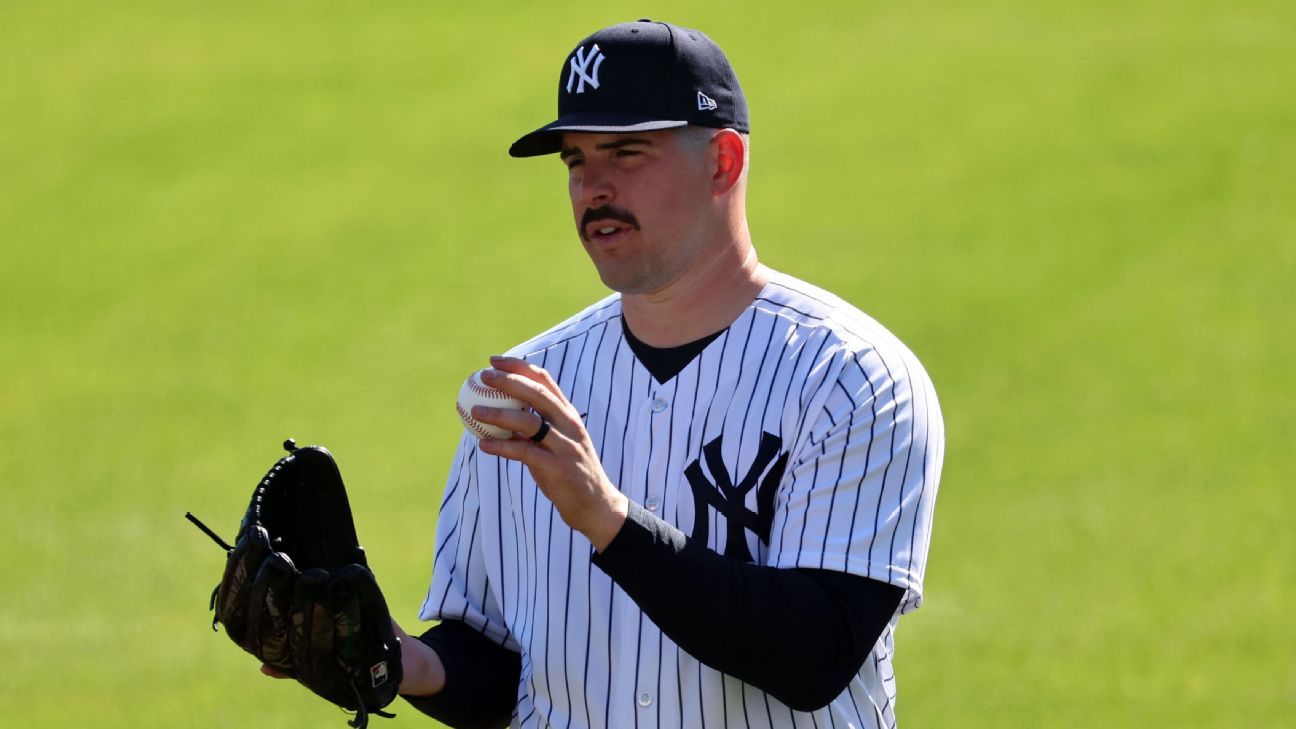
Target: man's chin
<point x="621" y="281"/>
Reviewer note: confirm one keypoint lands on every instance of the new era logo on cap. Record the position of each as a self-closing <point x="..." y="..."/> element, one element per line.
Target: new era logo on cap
<point x="706" y="103"/>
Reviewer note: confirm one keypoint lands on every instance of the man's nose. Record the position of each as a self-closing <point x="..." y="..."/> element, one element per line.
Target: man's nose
<point x="595" y="188"/>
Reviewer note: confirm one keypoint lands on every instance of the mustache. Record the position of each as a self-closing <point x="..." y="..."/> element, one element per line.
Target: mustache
<point x="608" y="212"/>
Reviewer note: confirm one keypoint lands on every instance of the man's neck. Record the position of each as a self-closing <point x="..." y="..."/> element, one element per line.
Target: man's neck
<point x="697" y="305"/>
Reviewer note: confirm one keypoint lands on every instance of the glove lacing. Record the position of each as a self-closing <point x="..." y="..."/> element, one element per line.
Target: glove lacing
<point x="211" y="604"/>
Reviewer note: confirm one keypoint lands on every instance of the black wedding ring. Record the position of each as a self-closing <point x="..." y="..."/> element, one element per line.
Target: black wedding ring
<point x="540" y="434"/>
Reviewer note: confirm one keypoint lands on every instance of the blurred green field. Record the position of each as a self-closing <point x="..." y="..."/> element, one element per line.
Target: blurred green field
<point x="226" y="223"/>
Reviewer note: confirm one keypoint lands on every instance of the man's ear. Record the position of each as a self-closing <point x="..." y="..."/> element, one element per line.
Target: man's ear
<point x="730" y="157"/>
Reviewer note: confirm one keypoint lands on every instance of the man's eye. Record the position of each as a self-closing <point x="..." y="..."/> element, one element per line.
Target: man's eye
<point x="573" y="163"/>
<point x="627" y="153"/>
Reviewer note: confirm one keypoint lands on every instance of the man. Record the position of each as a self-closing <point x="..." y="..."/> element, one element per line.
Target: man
<point x="720" y="502"/>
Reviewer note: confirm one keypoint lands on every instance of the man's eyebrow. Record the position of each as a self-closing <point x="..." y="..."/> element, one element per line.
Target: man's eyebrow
<point x="619" y="143"/>
<point x="615" y="144"/>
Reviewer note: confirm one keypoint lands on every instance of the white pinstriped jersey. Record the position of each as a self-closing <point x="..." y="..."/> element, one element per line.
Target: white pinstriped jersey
<point x="804" y="395"/>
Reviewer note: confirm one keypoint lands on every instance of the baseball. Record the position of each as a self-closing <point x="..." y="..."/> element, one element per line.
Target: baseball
<point x="476" y="392"/>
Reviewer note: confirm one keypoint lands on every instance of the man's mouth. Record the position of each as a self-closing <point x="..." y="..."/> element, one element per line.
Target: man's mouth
<point x="601" y="230"/>
<point x="606" y="224"/>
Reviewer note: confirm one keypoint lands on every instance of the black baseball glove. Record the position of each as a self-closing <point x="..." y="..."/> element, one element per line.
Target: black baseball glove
<point x="297" y="592"/>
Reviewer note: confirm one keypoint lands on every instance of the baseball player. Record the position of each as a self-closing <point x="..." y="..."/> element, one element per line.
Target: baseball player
<point x="720" y="501"/>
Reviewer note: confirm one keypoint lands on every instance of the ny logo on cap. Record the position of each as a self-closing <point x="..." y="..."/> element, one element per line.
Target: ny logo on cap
<point x="580" y="68"/>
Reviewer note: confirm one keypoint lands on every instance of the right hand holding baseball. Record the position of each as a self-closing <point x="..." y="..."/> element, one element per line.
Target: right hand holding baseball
<point x="563" y="462"/>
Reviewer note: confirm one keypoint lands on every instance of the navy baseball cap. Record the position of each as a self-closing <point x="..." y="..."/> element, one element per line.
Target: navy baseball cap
<point x="638" y="77"/>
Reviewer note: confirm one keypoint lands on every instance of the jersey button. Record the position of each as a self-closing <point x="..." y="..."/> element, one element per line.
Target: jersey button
<point x="653" y="503"/>
<point x="659" y="405"/>
<point x="645" y="699"/>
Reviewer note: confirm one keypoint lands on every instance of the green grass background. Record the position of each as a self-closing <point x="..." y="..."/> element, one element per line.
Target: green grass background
<point x="226" y="223"/>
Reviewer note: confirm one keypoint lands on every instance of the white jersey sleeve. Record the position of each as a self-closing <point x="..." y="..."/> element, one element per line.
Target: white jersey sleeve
<point x="461" y="586"/>
<point x="860" y="488"/>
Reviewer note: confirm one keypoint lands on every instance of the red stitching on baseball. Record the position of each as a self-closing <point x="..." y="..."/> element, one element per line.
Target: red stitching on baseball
<point x="472" y="423"/>
<point x="480" y="388"/>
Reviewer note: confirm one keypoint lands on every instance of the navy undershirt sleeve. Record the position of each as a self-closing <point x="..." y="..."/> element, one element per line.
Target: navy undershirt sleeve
<point x="800" y="635"/>
<point x="481" y="678"/>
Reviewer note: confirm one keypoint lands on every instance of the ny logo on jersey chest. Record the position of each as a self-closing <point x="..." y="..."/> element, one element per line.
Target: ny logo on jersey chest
<point x="727" y="496"/>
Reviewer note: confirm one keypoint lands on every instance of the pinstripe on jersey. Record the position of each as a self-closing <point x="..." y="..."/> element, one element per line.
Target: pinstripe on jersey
<point x="858" y="420"/>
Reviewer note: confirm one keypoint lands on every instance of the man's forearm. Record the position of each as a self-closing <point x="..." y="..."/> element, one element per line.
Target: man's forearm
<point x="459" y="677"/>
<point x="423" y="669"/>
